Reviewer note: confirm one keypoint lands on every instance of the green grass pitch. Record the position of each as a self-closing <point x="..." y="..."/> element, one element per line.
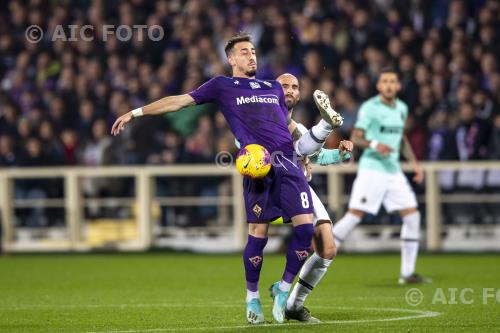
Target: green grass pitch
<point x="170" y="292"/>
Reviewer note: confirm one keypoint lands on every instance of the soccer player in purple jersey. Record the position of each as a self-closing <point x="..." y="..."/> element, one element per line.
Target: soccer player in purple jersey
<point x="257" y="113"/>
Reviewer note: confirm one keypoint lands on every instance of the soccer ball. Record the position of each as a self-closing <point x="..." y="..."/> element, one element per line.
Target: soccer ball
<point x="253" y="161"/>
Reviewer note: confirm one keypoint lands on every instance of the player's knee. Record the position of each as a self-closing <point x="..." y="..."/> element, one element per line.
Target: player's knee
<point x="328" y="252"/>
<point x="408" y="211"/>
<point x="324" y="246"/>
<point x="356" y="212"/>
<point x="258" y="230"/>
<point x="411" y="226"/>
<point x="255" y="244"/>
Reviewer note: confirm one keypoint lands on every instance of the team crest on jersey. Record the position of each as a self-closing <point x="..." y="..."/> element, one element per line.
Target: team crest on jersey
<point x="257" y="210"/>
<point x="302" y="255"/>
<point x="255" y="260"/>
<point x="236" y="82"/>
<point x="254" y="85"/>
<point x="269" y="84"/>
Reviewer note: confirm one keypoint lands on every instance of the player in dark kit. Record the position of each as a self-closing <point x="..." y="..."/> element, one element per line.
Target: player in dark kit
<point x="256" y="112"/>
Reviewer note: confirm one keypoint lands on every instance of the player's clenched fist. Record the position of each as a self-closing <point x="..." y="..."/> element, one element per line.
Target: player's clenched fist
<point x="346" y="146"/>
<point x="119" y="124"/>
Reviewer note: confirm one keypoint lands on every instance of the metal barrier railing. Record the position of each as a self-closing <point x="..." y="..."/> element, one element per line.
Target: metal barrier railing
<point x="144" y="195"/>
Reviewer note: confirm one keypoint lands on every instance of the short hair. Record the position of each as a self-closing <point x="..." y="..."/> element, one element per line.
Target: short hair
<point x="390" y="70"/>
<point x="239" y="37"/>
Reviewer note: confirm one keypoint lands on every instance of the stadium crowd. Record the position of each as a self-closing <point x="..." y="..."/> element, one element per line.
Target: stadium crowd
<point x="59" y="97"/>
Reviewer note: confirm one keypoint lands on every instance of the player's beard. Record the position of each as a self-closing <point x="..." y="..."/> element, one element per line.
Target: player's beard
<point x="290" y="103"/>
<point x="251" y="72"/>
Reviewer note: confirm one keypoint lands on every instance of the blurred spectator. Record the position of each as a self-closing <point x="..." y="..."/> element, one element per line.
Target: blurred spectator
<point x="7" y="155"/>
<point x="495" y="139"/>
<point x="94" y="151"/>
<point x="347" y="106"/>
<point x="62" y="92"/>
<point x="8" y="121"/>
<point x="69" y="142"/>
<point x="471" y="136"/>
<point x="33" y="156"/>
<point x="52" y="147"/>
<point x="440" y="137"/>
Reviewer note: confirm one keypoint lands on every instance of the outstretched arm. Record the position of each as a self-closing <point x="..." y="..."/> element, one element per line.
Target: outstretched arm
<point x="164" y="105"/>
<point x="410" y="157"/>
<point x="334" y="156"/>
<point x="168" y="104"/>
<point x="293" y="128"/>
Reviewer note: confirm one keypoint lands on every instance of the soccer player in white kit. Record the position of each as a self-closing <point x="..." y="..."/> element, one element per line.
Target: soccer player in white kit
<point x="317" y="264"/>
<point x="379" y="130"/>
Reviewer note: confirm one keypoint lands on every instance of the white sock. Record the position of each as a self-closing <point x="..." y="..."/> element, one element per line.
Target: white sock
<point x="410" y="234"/>
<point x="313" y="140"/>
<point x="311" y="273"/>
<point x="252" y="294"/>
<point x="343" y="227"/>
<point x="409" y="251"/>
<point x="285" y="286"/>
<point x="322" y="130"/>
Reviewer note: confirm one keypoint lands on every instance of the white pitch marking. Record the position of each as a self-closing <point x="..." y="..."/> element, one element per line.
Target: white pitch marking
<point x="417" y="315"/>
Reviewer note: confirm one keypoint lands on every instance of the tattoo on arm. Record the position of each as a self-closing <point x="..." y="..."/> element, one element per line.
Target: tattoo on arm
<point x="296" y="134"/>
<point x="294" y="130"/>
<point x="358" y="138"/>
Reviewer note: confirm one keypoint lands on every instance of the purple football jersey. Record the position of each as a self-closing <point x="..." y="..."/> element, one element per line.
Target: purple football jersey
<point x="254" y="109"/>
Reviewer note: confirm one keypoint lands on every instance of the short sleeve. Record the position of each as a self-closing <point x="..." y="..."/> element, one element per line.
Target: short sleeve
<point x="363" y="120"/>
<point x="208" y="92"/>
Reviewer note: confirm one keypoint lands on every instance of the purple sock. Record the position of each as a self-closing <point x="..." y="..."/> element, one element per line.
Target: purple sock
<point x="298" y="250"/>
<point x="252" y="259"/>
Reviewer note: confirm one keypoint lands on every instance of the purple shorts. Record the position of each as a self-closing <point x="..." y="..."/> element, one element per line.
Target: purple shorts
<point x="283" y="192"/>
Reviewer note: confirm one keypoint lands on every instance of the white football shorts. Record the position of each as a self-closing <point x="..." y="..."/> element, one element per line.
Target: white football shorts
<point x="373" y="188"/>
<point x="320" y="212"/>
